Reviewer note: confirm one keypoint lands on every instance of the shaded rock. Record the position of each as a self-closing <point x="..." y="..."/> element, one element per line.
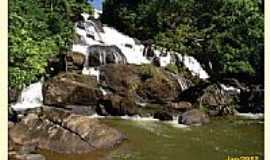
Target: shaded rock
<point x="56" y="65"/>
<point x="217" y="100"/>
<point x="116" y="106"/>
<point x="13" y="95"/>
<point x="193" y="117"/>
<point x="64" y="132"/>
<point x="71" y="89"/>
<point x="252" y="100"/>
<point x="163" y="116"/>
<point x="12" y="115"/>
<point x="211" y="97"/>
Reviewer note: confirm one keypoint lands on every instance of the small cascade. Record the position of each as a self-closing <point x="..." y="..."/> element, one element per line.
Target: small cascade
<point x="193" y="65"/>
<point x="31" y="97"/>
<point x="183" y="83"/>
<point x="91" y="71"/>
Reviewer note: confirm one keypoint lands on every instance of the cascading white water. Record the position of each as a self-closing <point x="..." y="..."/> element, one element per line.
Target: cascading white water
<point x="31" y="97"/>
<point x="193" y="65"/>
<point x="131" y="50"/>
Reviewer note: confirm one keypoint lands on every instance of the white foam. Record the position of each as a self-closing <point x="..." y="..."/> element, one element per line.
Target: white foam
<point x="194" y="66"/>
<point x="137" y="118"/>
<point x="251" y="115"/>
<point x="230" y="88"/>
<point x="91" y="71"/>
<point x="31" y="97"/>
<point x="80" y="48"/>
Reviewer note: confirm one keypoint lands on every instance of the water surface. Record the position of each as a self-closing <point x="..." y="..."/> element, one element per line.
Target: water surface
<point x="153" y="140"/>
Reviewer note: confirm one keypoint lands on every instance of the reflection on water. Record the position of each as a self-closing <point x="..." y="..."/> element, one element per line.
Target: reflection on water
<point x="152" y="140"/>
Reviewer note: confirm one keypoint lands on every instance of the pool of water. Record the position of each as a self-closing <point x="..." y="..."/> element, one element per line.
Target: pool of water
<point x="153" y="140"/>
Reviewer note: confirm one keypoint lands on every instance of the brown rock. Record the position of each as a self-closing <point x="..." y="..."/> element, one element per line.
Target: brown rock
<point x="117" y="106"/>
<point x="71" y="89"/>
<point x="63" y="132"/>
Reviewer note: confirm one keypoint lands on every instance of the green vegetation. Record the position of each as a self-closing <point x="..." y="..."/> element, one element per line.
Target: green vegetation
<point x="227" y="33"/>
<point x="39" y="29"/>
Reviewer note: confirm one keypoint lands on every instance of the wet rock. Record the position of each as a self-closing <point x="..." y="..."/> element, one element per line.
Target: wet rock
<point x="101" y="55"/>
<point x="116" y="106"/>
<point x="71" y="89"/>
<point x="163" y="116"/>
<point x="193" y="117"/>
<point x="64" y="132"/>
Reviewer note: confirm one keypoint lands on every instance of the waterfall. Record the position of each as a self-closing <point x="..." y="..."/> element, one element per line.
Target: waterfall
<point x="193" y="65"/>
<point x="133" y="51"/>
<point x="31" y="97"/>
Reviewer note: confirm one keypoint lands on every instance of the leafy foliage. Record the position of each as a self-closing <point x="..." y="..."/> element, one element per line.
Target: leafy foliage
<point x="39" y="29"/>
<point x="225" y="33"/>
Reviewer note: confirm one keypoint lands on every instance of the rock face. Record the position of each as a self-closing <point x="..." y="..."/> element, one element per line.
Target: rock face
<point x="193" y="117"/>
<point x="71" y="89"/>
<point x="63" y="132"/>
<point x="126" y="86"/>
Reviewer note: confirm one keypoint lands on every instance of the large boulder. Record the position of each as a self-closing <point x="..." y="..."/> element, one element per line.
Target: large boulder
<point x="193" y="117"/>
<point x="147" y="83"/>
<point x="71" y="89"/>
<point x="63" y="132"/>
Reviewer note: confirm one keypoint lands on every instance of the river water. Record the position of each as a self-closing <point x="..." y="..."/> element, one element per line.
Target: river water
<point x="154" y="140"/>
